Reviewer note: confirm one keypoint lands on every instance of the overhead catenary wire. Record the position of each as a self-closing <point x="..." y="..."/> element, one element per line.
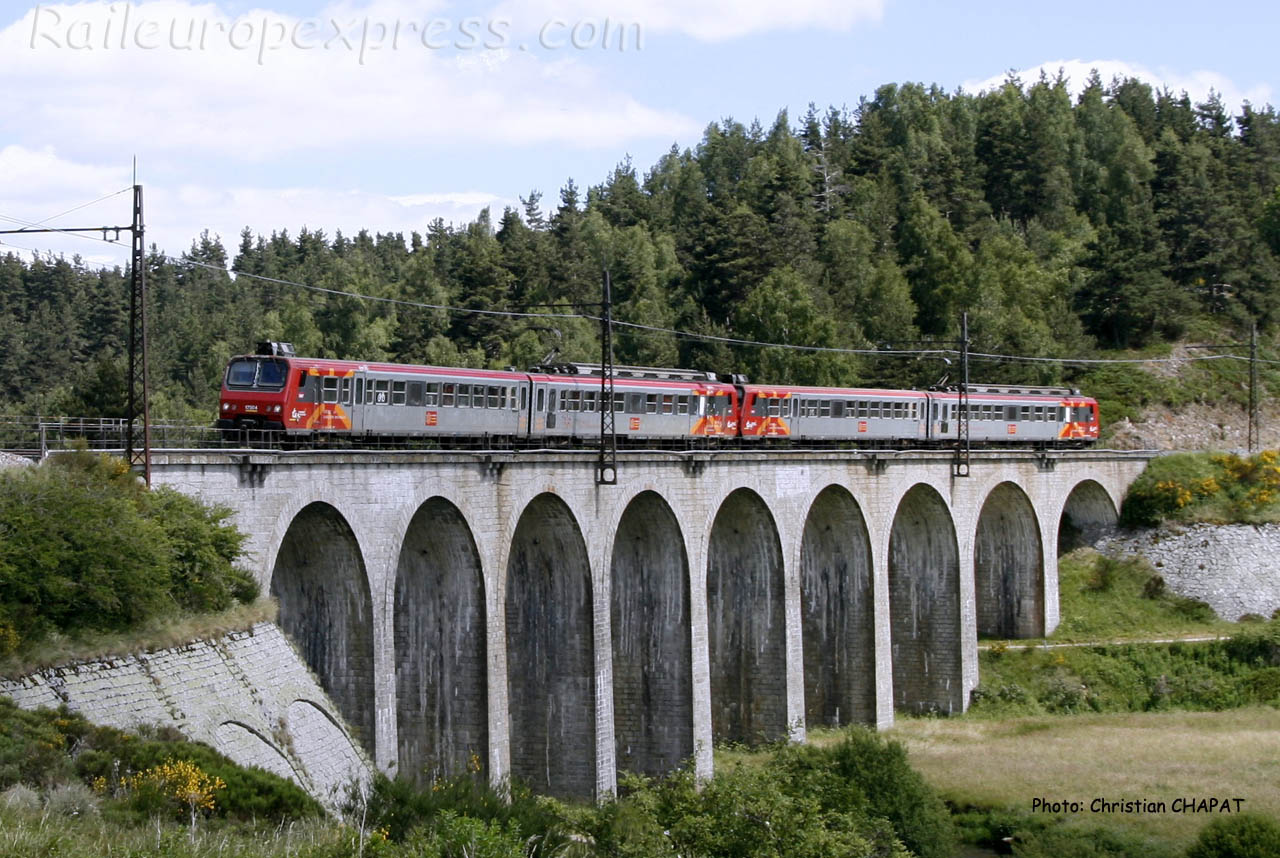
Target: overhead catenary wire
<point x="715" y="338"/>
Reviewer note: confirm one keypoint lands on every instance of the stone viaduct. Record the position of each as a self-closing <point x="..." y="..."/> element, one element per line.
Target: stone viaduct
<point x="503" y="613"/>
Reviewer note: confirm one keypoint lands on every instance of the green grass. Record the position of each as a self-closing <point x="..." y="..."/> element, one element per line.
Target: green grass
<point x="1001" y="766"/>
<point x="155" y="633"/>
<point x="1104" y="598"/>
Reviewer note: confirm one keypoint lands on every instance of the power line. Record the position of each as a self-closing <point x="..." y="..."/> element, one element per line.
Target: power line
<point x="715" y="338"/>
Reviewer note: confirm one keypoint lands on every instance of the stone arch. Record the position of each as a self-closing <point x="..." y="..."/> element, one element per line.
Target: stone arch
<point x="836" y="603"/>
<point x="239" y="742"/>
<point x="320" y="583"/>
<point x="746" y="623"/>
<point x="1008" y="566"/>
<point x="440" y="647"/>
<point x="551" y="652"/>
<point x="652" y="640"/>
<point x="924" y="605"/>
<point x="1088" y="514"/>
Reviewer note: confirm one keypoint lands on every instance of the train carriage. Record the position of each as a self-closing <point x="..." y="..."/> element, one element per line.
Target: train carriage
<point x="301" y="397"/>
<point x="648" y="404"/>
<point x="832" y="414"/>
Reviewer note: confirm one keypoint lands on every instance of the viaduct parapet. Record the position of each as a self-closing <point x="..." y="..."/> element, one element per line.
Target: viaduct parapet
<point x="502" y="612"/>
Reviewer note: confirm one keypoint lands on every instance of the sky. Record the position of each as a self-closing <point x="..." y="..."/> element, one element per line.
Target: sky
<point x="384" y="115"/>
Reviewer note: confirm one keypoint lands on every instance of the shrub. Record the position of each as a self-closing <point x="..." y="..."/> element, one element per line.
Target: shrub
<point x="866" y="771"/>
<point x="85" y="547"/>
<point x="1245" y="836"/>
<point x="71" y="799"/>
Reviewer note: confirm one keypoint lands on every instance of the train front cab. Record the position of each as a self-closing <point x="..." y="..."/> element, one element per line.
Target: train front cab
<point x="255" y="391"/>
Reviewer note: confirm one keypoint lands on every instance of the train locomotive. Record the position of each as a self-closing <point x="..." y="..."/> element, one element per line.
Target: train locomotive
<point x="318" y="398"/>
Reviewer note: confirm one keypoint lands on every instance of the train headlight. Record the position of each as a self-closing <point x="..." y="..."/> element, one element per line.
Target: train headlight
<point x="276" y="409"/>
<point x="226" y="406"/>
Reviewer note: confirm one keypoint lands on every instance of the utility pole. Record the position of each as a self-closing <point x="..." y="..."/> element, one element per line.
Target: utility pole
<point x="960" y="465"/>
<point x="137" y="439"/>
<point x="1253" y="389"/>
<point x="607" y="466"/>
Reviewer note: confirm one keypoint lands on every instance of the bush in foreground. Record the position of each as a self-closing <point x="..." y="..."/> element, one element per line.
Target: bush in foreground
<point x="84" y="547"/>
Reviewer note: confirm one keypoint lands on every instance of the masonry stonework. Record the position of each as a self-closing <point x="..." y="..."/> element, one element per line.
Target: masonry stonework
<point x="746" y="540"/>
<point x="248" y="695"/>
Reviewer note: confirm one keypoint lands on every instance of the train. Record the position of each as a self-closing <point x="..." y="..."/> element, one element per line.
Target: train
<point x="559" y="404"/>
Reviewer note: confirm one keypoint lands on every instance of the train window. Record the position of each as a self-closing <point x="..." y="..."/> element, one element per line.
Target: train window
<point x="1011" y="412"/>
<point x="551" y="401"/>
<point x="381" y="391"/>
<point x="398" y="393"/>
<point x="837" y="408"/>
<point x="1037" y="413"/>
<point x="589" y="401"/>
<point x="651" y="403"/>
<point x="302" y="377"/>
<point x="450" y="394"/>
<point x="1084" y="414"/>
<point x="463" y="399"/>
<point x="824" y="408"/>
<point x="635" y="403"/>
<point x="241" y="373"/>
<point x="306" y="390"/>
<point x="432" y="396"/>
<point x="415" y="394"/>
<point x="668" y="403"/>
<point x="272" y="373"/>
<point x="619" y="403"/>
<point x="541" y="399"/>
<point x="682" y="404"/>
<point x="773" y="407"/>
<point x="899" y="411"/>
<point x="758" y="404"/>
<point x="494" y="397"/>
<point x="359" y="390"/>
<point x="1026" y="412"/>
<point x="329" y="389"/>
<point x="571" y="400"/>
<point x="862" y="409"/>
<point x="344" y="391"/>
<point x="524" y="397"/>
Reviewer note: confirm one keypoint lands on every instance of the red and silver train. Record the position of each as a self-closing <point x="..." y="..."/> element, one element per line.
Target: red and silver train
<point x="314" y="397"/>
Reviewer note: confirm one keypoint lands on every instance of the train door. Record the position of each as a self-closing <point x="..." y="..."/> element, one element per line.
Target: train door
<point x="357" y="404"/>
<point x="538" y="409"/>
<point x="523" y="421"/>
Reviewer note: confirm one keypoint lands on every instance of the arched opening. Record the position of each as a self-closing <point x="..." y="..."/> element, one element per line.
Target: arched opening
<point x="1008" y="566"/>
<point x="924" y="605"/>
<point x="320" y="584"/>
<point x="653" y="721"/>
<point x="442" y="711"/>
<point x="1087" y="516"/>
<point x="836" y="613"/>
<point x="746" y="626"/>
<point x="652" y="666"/>
<point x="550" y="652"/>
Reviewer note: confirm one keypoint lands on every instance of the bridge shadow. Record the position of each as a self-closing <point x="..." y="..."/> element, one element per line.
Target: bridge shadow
<point x="746" y="625"/>
<point x="320" y="584"/>
<point x="1008" y="565"/>
<point x="924" y="605"/>
<point x="652" y="647"/>
<point x="550" y="652"/>
<point x="440" y="634"/>
<point x="836" y="613"/>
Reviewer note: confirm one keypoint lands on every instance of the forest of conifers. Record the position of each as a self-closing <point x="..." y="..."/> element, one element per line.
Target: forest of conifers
<point x="1064" y="226"/>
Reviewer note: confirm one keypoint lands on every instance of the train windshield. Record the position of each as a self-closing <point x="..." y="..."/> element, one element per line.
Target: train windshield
<point x="259" y="373"/>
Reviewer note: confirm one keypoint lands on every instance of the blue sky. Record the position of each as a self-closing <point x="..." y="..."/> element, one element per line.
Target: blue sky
<point x="261" y="124"/>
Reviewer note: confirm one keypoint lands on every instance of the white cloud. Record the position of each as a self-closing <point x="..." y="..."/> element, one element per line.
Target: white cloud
<point x="175" y="76"/>
<point x="1197" y="84"/>
<point x="710" y="21"/>
<point x="176" y="214"/>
